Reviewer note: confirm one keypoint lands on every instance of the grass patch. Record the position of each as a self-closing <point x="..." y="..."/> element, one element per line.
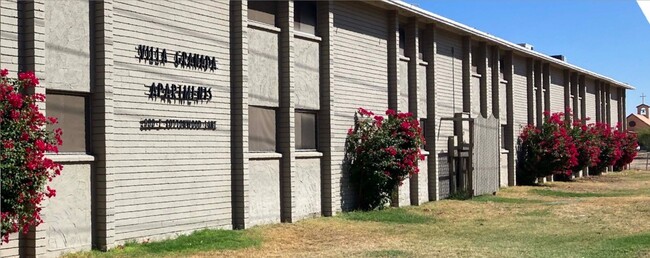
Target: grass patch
<point x="203" y="240"/>
<point x="624" y="246"/>
<point x="499" y="199"/>
<point x="388" y="215"/>
<point x="537" y="213"/>
<point x="553" y="193"/>
<point x="388" y="253"/>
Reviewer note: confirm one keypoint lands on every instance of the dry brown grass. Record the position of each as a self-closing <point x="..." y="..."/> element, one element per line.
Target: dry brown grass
<point x="517" y="222"/>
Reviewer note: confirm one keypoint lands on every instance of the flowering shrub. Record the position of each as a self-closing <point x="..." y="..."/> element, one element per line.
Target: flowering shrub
<point x="24" y="141"/>
<point x="587" y="143"/>
<point x="628" y="142"/>
<point x="382" y="152"/>
<point x="546" y="150"/>
<point x="610" y="148"/>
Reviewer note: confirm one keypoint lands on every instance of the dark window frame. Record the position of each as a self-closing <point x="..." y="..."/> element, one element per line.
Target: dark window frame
<point x="87" y="117"/>
<point x="258" y="12"/>
<point x="316" y="131"/>
<point x="299" y="7"/>
<point x="275" y="128"/>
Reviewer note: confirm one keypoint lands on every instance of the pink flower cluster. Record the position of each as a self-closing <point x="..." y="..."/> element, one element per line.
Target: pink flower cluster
<point x="25" y="140"/>
<point x="383" y="152"/>
<point x="564" y="147"/>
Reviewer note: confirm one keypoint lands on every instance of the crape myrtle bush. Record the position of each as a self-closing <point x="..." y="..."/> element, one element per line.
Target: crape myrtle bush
<point x="24" y="169"/>
<point x="546" y="150"/>
<point x="629" y="144"/>
<point x="381" y="153"/>
<point x="562" y="147"/>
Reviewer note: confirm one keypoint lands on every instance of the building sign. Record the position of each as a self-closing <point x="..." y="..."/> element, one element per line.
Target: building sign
<point x="170" y="124"/>
<point x="158" y="56"/>
<point x="181" y="93"/>
<point x="177" y="93"/>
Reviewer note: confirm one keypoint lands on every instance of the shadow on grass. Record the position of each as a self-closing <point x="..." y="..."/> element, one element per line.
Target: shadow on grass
<point x="203" y="240"/>
<point x="498" y="199"/>
<point x="388" y="215"/>
<point x="553" y="193"/>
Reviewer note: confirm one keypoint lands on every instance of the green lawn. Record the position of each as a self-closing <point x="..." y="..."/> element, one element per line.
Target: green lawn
<point x="605" y="216"/>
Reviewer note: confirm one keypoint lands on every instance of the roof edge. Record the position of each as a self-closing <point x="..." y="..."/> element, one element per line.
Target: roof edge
<point x="462" y="27"/>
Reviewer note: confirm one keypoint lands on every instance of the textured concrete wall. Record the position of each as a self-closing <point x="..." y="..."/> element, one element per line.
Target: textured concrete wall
<point x="423" y="182"/>
<point x="308" y="192"/>
<point x="264" y="191"/>
<point x="403" y="100"/>
<point x="503" y="172"/>
<point x="360" y="68"/>
<point x="67" y="47"/>
<point x="263" y="63"/>
<point x="169" y="182"/>
<point x="422" y="91"/>
<point x="68" y="215"/>
<point x="307" y="74"/>
<point x="613" y="107"/>
<point x="557" y="90"/>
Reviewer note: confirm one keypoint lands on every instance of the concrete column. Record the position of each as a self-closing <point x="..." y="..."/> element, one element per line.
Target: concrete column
<point x="622" y="112"/>
<point x="239" y="112"/>
<point x="429" y="52"/>
<point x="102" y="124"/>
<point x="494" y="60"/>
<point x="539" y="102"/>
<point x="412" y="51"/>
<point x="482" y="70"/>
<point x="467" y="74"/>
<point x="31" y="24"/>
<point x="326" y="57"/>
<point x="9" y="53"/>
<point x="567" y="92"/>
<point x="599" y="114"/>
<point x="393" y="59"/>
<point x="582" y="91"/>
<point x="510" y="143"/>
<point x="530" y="86"/>
<point x="575" y="106"/>
<point x="546" y="86"/>
<point x="608" y="109"/>
<point x="286" y="113"/>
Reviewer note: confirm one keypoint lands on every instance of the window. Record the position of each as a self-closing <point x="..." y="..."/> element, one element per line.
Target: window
<point x="475" y="58"/>
<point x="423" y="125"/>
<point x="305" y="16"/>
<point x="306" y="130"/>
<point x="421" y="44"/>
<point x="70" y="110"/>
<point x="261" y="129"/>
<point x="632" y="124"/>
<point x="263" y="11"/>
<point x="402" y="39"/>
<point x="504" y="138"/>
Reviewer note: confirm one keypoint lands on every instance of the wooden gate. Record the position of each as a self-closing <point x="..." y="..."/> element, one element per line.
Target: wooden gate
<point x="485" y="155"/>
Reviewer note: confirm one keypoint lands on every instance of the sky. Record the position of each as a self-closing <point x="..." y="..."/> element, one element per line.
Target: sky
<point x="609" y="37"/>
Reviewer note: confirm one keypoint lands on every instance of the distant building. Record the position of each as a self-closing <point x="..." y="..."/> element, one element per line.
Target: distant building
<point x="640" y="120"/>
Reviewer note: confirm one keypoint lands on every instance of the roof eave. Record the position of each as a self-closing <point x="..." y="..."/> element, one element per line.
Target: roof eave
<point x="477" y="33"/>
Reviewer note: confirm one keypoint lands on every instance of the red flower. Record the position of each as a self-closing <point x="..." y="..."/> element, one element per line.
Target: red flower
<point x="390" y="112"/>
<point x="15" y="99"/>
<point x="50" y="192"/>
<point x="4" y="72"/>
<point x="405" y="125"/>
<point x="391" y="151"/>
<point x="8" y="144"/>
